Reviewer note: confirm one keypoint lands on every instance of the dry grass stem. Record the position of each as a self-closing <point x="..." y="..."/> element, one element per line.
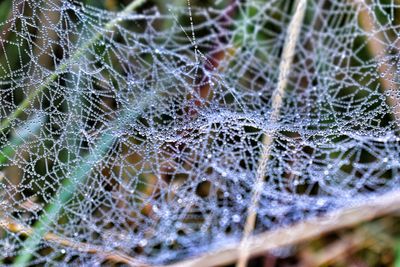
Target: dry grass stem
<point x="277" y="100"/>
<point x="346" y="217"/>
<point x="112" y="256"/>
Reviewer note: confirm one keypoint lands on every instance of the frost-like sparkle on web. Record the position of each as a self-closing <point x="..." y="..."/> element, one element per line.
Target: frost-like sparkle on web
<point x="185" y="96"/>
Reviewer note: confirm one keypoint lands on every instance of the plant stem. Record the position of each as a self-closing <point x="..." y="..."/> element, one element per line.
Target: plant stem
<point x="5" y="8"/>
<point x="397" y="254"/>
<point x="63" y="66"/>
<point x="5" y="12"/>
<point x="366" y="210"/>
<point x="69" y="186"/>
<point x="293" y="33"/>
<point x="114" y="256"/>
<point x="22" y="134"/>
<point x="66" y="192"/>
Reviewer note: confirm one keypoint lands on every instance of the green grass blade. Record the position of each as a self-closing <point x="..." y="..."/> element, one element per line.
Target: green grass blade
<point x="397" y="254"/>
<point x="63" y="66"/>
<point x="5" y="8"/>
<point x="22" y="134"/>
<point x="66" y="192"/>
<point x="69" y="186"/>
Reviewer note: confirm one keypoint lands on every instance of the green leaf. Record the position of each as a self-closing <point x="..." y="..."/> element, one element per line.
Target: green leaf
<point x="80" y="172"/>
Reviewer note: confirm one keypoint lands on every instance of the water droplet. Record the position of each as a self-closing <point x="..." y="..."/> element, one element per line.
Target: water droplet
<point x="236" y="218"/>
<point x="143" y="242"/>
<point x="155" y="208"/>
<point x="321" y="202"/>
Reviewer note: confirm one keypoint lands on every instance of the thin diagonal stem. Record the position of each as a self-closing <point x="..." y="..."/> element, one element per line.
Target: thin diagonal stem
<point x="293" y="33"/>
<point x="110" y="255"/>
<point x="66" y="192"/>
<point x="63" y="66"/>
<point x="366" y="210"/>
<point x="78" y="175"/>
<point x="5" y="12"/>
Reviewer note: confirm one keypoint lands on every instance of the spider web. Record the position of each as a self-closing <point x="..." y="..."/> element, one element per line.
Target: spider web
<point x="165" y="113"/>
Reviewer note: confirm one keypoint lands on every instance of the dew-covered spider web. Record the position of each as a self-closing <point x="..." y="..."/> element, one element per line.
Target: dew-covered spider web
<point x="153" y="120"/>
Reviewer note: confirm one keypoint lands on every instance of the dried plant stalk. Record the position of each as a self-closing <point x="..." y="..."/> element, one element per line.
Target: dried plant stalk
<point x="277" y="100"/>
<point x="113" y="256"/>
<point x="367" y="210"/>
<point x="69" y="186"/>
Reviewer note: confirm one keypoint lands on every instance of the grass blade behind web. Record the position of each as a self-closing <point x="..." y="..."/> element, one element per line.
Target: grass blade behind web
<point x="397" y="255"/>
<point x="62" y="67"/>
<point x="52" y="211"/>
<point x="22" y="134"/>
<point x="69" y="186"/>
